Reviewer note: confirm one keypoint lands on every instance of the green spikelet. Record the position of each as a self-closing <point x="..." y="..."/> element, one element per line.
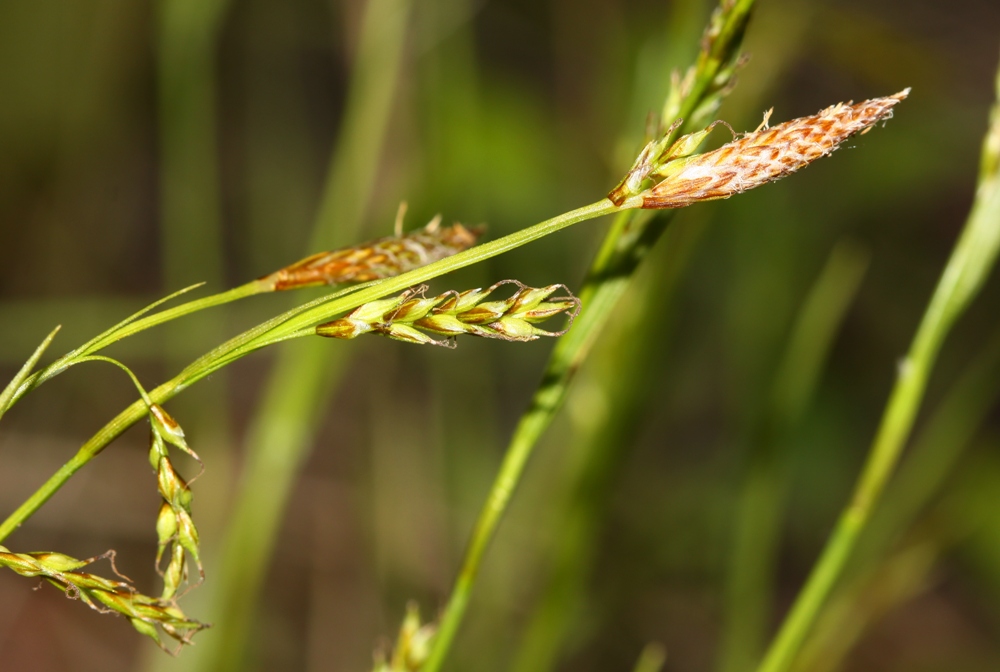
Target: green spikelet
<point x="410" y="316"/>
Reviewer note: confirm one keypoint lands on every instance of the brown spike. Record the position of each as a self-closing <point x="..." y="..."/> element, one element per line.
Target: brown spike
<point x="765" y="155"/>
<point x="376" y="259"/>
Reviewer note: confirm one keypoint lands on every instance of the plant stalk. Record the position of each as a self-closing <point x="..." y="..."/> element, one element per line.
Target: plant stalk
<point x="295" y="323"/>
<point x="625" y="245"/>
<point x="971" y="260"/>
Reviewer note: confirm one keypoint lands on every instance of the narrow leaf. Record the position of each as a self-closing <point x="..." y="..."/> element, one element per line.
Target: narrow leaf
<point x="8" y="394"/>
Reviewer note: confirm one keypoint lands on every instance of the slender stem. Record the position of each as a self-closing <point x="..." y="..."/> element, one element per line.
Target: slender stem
<point x="243" y="291"/>
<point x="132" y="327"/>
<point x="621" y="368"/>
<point x="87" y="452"/>
<point x="624" y="247"/>
<point x="967" y="268"/>
<point x="325" y="309"/>
<point x="880" y="580"/>
<point x="7" y="396"/>
<point x="567" y="354"/>
<point x="292" y="324"/>
<point x="489" y="517"/>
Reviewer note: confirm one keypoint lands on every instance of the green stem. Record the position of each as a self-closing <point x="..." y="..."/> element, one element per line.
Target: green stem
<point x="87" y="452"/>
<point x="325" y="309"/>
<point x="598" y="298"/>
<point x="970" y="262"/>
<point x="625" y="245"/>
<point x="489" y="517"/>
<point x="7" y="396"/>
<point x="243" y="291"/>
<point x="132" y="326"/>
<point x="621" y="368"/>
<point x="293" y="324"/>
<point x="880" y="580"/>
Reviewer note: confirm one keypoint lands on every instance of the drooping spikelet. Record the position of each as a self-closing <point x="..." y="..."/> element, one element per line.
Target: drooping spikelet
<point x="407" y="316"/>
<point x="376" y="259"/>
<point x="767" y="154"/>
<point x="175" y="529"/>
<point x="146" y="614"/>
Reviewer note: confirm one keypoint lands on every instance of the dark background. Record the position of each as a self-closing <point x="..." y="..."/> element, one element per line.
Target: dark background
<point x="507" y="113"/>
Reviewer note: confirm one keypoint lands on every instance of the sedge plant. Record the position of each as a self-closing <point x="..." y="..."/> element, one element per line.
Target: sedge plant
<point x="669" y="173"/>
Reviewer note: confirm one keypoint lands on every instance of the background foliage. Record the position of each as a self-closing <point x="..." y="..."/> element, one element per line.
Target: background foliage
<point x="506" y="112"/>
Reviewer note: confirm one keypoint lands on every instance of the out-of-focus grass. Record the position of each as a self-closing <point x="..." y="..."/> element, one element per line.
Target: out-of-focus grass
<point x="758" y="512"/>
<point x="282" y="432"/>
<point x="966" y="271"/>
<point x="508" y="112"/>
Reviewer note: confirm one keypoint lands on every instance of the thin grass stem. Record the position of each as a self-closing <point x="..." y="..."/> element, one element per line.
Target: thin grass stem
<point x="967" y="268"/>
<point x="931" y="462"/>
<point x="625" y="245"/>
<point x="133" y="325"/>
<point x="621" y="370"/>
<point x="7" y="396"/>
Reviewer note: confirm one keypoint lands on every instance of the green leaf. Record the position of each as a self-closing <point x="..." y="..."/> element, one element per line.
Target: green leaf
<point x="7" y="396"/>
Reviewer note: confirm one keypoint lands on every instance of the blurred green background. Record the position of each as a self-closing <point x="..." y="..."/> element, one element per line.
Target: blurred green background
<point x="148" y="146"/>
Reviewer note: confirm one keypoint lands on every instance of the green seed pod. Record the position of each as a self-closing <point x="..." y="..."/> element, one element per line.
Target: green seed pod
<point x="147" y="629"/>
<point x="344" y="328"/>
<point x="454" y="314"/>
<point x="486" y="312"/>
<point x="373" y="312"/>
<point x="157" y="450"/>
<point x="414" y="309"/>
<point x="446" y="325"/>
<point x="403" y="332"/>
<point x="516" y="329"/>
<point x="187" y="536"/>
<point x="166" y="524"/>
<point x="459" y="302"/>
<point x="58" y="562"/>
<point x="173" y="575"/>
<point x="166" y="426"/>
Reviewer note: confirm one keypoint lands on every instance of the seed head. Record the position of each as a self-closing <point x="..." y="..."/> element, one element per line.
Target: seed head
<point x="765" y="155"/>
<point x="175" y="529"/>
<point x="376" y="259"/>
<point x="146" y="614"/>
<point x="409" y="315"/>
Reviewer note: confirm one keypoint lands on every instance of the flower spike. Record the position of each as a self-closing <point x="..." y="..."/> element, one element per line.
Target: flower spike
<point x="765" y="155"/>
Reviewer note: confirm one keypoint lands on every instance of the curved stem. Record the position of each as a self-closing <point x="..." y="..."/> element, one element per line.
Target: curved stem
<point x="87" y="452"/>
<point x="133" y="326"/>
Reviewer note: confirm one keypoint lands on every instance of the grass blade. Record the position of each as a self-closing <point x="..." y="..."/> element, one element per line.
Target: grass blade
<point x="967" y="268"/>
<point x="7" y="396"/>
